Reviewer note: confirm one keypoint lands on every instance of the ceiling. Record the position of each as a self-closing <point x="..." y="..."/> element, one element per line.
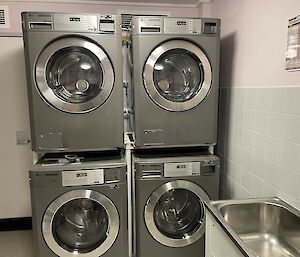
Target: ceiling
<point x="142" y="2"/>
<point x="182" y="3"/>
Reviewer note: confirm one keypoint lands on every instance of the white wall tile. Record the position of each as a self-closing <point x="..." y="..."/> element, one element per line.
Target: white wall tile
<point x="246" y="180"/>
<point x="249" y="119"/>
<point x="248" y="140"/>
<point x="275" y="124"/>
<point x="235" y="193"/>
<point x="258" y="166"/>
<point x="230" y="150"/>
<point x="289" y="199"/>
<point x="261" y="121"/>
<point x="238" y="155"/>
<point x="239" y="117"/>
<point x="231" y="116"/>
<point x="261" y="153"/>
<point x="243" y="193"/>
<point x="291" y="155"/>
<point x="230" y="169"/>
<point x="274" y="148"/>
<point x="238" y="136"/>
<point x="237" y="173"/>
<point x="260" y="144"/>
<point x="230" y="134"/>
<point x="291" y="100"/>
<point x="291" y="128"/>
<point x="273" y="173"/>
<point x="249" y="98"/>
<point x="276" y="99"/>
<point x="261" y="99"/>
<point x="290" y="183"/>
<point x="257" y="186"/>
<point x="270" y="190"/>
<point x="247" y="161"/>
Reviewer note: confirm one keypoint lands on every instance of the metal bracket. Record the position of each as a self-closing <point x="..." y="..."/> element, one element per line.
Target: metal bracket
<point x="23" y="137"/>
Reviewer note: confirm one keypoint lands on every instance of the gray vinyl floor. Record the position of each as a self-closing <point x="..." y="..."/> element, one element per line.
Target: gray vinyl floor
<point x="16" y="244"/>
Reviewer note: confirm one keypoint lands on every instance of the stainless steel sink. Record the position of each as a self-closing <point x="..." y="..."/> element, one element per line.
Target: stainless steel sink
<point x="267" y="227"/>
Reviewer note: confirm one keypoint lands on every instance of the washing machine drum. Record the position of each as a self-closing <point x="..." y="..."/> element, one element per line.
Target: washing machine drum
<point x="81" y="222"/>
<point x="177" y="75"/>
<point x="175" y="213"/>
<point x="74" y="75"/>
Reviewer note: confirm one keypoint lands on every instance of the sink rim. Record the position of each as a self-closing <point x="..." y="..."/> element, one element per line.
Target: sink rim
<point x="275" y="201"/>
<point x="214" y="208"/>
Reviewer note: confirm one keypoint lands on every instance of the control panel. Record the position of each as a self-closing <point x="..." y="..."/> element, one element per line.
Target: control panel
<point x="175" y="26"/>
<point x="82" y="177"/>
<point x="206" y="167"/>
<point x="71" y="22"/>
<point x="182" y="26"/>
<point x="181" y="169"/>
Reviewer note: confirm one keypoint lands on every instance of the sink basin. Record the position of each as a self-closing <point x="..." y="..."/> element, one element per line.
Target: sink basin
<point x="268" y="227"/>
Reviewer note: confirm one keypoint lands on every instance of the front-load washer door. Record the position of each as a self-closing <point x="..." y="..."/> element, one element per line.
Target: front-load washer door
<point x="177" y="75"/>
<point x="74" y="75"/>
<point x="175" y="213"/>
<point x="80" y="222"/>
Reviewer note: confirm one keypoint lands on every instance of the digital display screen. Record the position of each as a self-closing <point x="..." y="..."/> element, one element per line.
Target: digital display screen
<point x="181" y="166"/>
<point x="81" y="174"/>
<point x="181" y="23"/>
<point x="75" y="19"/>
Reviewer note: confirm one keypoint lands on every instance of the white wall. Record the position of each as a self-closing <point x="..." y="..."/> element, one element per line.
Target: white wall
<point x="15" y="159"/>
<point x="254" y="35"/>
<point x="259" y="120"/>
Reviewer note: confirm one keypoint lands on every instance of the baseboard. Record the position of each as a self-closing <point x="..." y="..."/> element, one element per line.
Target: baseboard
<point x="16" y="224"/>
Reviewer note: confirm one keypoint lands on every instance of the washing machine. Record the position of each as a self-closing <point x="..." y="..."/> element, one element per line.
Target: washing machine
<point x="170" y="191"/>
<point x="74" y="79"/>
<point x="79" y="206"/>
<point x="175" y="79"/>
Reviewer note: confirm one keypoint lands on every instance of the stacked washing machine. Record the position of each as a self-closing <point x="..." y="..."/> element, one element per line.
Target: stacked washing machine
<point x="175" y="93"/>
<point x="79" y="186"/>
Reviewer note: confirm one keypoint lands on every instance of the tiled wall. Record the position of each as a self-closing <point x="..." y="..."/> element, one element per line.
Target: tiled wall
<point x="259" y="143"/>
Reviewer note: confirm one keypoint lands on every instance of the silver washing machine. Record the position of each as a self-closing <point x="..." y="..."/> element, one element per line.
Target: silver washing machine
<point x="79" y="208"/>
<point x="175" y="81"/>
<point x="169" y="203"/>
<point x="74" y="78"/>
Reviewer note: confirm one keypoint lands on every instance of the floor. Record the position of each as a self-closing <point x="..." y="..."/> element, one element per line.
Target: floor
<point x="16" y="244"/>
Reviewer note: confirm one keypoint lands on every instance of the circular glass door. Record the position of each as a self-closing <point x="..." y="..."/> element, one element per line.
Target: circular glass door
<point x="175" y="213"/>
<point x="177" y="75"/>
<point x="80" y="222"/>
<point x="74" y="75"/>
